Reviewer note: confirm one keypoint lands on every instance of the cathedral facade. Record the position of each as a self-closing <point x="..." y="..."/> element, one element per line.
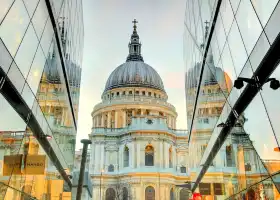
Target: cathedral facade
<point x="137" y="153"/>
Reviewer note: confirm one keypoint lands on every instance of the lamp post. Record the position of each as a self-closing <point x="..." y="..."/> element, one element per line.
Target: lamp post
<point x="85" y="142"/>
<point x="102" y="170"/>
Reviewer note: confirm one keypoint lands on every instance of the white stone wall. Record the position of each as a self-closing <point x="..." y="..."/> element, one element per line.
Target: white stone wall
<point x="136" y="187"/>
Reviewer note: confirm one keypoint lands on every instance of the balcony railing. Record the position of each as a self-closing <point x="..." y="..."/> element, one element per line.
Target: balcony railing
<point x="140" y="124"/>
<point x="131" y="98"/>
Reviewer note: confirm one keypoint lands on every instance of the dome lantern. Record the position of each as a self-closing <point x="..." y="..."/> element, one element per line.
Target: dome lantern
<point x="134" y="46"/>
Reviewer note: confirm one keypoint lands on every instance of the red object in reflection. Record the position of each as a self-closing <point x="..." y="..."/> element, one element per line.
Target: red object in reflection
<point x="277" y="149"/>
<point x="196" y="196"/>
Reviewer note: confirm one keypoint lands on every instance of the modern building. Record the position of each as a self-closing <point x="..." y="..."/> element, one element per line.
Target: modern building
<point x="137" y="152"/>
<point x="41" y="45"/>
<point x="232" y="82"/>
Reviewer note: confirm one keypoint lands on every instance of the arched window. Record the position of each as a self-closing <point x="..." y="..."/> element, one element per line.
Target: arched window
<point x="148" y="112"/>
<point x="230" y="156"/>
<point x="183" y="169"/>
<point x="150" y="193"/>
<point x="172" y="194"/>
<point x="111" y="168"/>
<point x="184" y="194"/>
<point x="149" y="155"/>
<point x="125" y="193"/>
<point x="170" y="157"/>
<point x="110" y="194"/>
<point x="126" y="157"/>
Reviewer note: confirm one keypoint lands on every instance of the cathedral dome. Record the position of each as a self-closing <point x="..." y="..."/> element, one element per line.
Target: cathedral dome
<point x="134" y="74"/>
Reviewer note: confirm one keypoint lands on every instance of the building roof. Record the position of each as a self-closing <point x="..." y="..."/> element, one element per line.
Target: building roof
<point x="134" y="74"/>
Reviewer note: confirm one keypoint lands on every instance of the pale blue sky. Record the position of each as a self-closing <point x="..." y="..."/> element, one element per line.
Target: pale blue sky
<point x="108" y="26"/>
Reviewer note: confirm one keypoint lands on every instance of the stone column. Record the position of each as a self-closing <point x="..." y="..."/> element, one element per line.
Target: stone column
<point x="174" y="155"/>
<point x="121" y="157"/>
<point x="124" y="118"/>
<point x="102" y="156"/>
<point x="107" y="161"/>
<point x="109" y="124"/>
<point x="132" y="154"/>
<point x="102" y="120"/>
<point x="98" y="120"/>
<point x="116" y="118"/>
<point x="142" y="111"/>
<point x="166" y="155"/>
<point x="157" y="154"/>
<point x="92" y="159"/>
<point x="168" y="120"/>
<point x="138" y="157"/>
<point x="93" y="122"/>
<point x="97" y="158"/>
<point x="161" y="153"/>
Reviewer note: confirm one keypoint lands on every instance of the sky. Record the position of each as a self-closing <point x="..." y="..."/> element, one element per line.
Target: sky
<point x="108" y="27"/>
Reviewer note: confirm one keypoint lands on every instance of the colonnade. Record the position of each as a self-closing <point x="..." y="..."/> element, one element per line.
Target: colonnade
<point x="101" y="157"/>
<point x="119" y="118"/>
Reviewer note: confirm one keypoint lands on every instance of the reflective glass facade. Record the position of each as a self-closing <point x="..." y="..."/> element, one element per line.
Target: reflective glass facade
<point x="41" y="45"/>
<point x="234" y="133"/>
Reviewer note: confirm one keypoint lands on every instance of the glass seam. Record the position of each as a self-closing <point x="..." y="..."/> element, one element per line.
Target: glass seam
<point x="261" y="22"/>
<point x="7" y="12"/>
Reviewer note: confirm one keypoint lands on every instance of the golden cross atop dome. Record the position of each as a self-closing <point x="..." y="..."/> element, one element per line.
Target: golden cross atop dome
<point x="134" y="22"/>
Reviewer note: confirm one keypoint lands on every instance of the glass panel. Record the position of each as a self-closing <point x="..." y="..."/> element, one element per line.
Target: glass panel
<point x="220" y="32"/>
<point x="271" y="101"/>
<point x="276" y="187"/>
<point x="265" y="146"/>
<point x="26" y="52"/>
<point x="10" y="121"/>
<point x="259" y="51"/>
<point x="14" y="25"/>
<point x="16" y="77"/>
<point x="5" y="57"/>
<point x="228" y="67"/>
<point x="237" y="49"/>
<point x="227" y="15"/>
<point x="57" y="6"/>
<point x="5" y="6"/>
<point x="47" y="37"/>
<point x="263" y="190"/>
<point x="53" y="102"/>
<point x="249" y="24"/>
<point x="30" y="6"/>
<point x="27" y="95"/>
<point x="234" y="4"/>
<point x="36" y="70"/>
<point x="272" y="29"/>
<point x="40" y="17"/>
<point x="264" y="9"/>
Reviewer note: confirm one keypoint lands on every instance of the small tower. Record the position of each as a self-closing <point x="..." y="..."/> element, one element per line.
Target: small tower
<point x="134" y="46"/>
